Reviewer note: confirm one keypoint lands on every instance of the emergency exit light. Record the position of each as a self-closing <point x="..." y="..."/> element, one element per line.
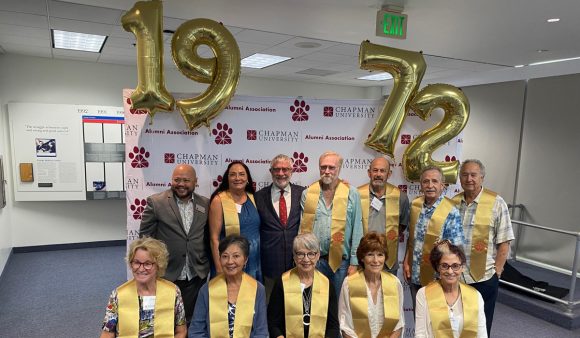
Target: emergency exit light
<point x="391" y="24"/>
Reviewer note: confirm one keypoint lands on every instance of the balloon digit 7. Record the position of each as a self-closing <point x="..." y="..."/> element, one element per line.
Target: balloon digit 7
<point x="407" y="69"/>
<point x="456" y="106"/>
<point x="221" y="71"/>
<point x="145" y="20"/>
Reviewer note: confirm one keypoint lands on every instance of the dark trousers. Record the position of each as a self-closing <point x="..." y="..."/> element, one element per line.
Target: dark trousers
<point x="189" y="290"/>
<point x="488" y="290"/>
<point x="413" y="289"/>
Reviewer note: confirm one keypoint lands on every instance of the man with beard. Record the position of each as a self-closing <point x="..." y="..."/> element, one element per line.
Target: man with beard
<point x="385" y="209"/>
<point x="178" y="217"/>
<point x="331" y="210"/>
<point x="433" y="217"/>
<point x="279" y="208"/>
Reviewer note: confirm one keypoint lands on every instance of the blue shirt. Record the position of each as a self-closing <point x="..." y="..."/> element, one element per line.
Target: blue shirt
<point x="452" y="230"/>
<point x="353" y="228"/>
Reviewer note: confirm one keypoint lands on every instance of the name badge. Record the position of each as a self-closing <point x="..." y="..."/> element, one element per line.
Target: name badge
<point x="148" y="303"/>
<point x="376" y="204"/>
<point x="200" y="208"/>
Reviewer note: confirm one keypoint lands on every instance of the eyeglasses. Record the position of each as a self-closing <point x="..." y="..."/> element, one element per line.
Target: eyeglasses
<point x="284" y="170"/>
<point x="301" y="255"/>
<point x="182" y="180"/>
<point x="329" y="167"/>
<point x="146" y="265"/>
<point x="454" y="266"/>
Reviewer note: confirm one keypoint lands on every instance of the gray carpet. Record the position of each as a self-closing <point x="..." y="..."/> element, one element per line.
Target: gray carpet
<point x="63" y="294"/>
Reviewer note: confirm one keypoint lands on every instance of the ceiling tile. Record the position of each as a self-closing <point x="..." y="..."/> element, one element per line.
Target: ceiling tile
<point x="21" y="19"/>
<point x="264" y="38"/>
<point x="21" y="49"/>
<point x="75" y="55"/>
<point x="81" y="26"/>
<point x="25" y="6"/>
<point x="66" y="10"/>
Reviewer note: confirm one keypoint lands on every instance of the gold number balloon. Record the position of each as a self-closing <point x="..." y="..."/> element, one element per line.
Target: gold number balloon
<point x="221" y="71"/>
<point x="456" y="107"/>
<point x="407" y="69"/>
<point x="145" y="21"/>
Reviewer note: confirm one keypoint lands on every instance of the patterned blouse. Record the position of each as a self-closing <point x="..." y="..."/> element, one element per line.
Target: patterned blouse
<point x="145" y="316"/>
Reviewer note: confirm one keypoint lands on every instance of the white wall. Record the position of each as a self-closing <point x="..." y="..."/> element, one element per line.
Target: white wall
<point x="5" y="222"/>
<point x="31" y="79"/>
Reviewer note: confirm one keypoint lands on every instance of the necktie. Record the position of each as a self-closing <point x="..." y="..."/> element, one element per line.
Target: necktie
<point x="282" y="208"/>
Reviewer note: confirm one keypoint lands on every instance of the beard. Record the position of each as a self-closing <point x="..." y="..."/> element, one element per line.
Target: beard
<point x="327" y="180"/>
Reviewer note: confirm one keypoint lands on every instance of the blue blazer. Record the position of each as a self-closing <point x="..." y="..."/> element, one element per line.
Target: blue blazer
<point x="276" y="240"/>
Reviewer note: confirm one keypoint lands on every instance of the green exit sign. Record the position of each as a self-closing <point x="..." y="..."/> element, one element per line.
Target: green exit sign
<point x="392" y="25"/>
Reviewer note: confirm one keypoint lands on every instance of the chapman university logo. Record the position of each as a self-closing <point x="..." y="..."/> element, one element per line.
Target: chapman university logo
<point x="402" y="187"/>
<point x="132" y="183"/>
<point x="138" y="157"/>
<point x="405" y="139"/>
<point x="222" y="133"/>
<point x="137" y="208"/>
<point x="349" y="112"/>
<point x="135" y="111"/>
<point x="357" y="163"/>
<point x="299" y="161"/>
<point x="299" y="110"/>
<point x="131" y="130"/>
<point x="449" y="158"/>
<point x="217" y="181"/>
<point x="191" y="158"/>
<point x="265" y="135"/>
<point x="132" y="235"/>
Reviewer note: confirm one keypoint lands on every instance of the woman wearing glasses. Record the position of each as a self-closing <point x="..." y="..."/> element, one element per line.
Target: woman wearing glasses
<point x="446" y="307"/>
<point x="146" y="305"/>
<point x="232" y="211"/>
<point x="371" y="300"/>
<point x="303" y="301"/>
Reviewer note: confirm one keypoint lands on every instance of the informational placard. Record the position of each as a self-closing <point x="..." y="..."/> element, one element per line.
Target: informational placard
<point x="49" y="149"/>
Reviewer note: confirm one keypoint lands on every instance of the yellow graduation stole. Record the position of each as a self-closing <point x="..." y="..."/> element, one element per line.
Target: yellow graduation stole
<point x="480" y="233"/>
<point x="439" y="311"/>
<point x="432" y="233"/>
<point x="164" y="315"/>
<point x="339" y="205"/>
<point x="360" y="306"/>
<point x="231" y="218"/>
<point x="218" y="307"/>
<point x="293" y="307"/>
<point x="392" y="195"/>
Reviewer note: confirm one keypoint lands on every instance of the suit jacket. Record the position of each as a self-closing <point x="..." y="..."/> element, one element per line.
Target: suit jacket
<point x="162" y="220"/>
<point x="276" y="240"/>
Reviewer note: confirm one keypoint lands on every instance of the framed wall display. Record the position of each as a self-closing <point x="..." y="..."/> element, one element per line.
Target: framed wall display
<point x="2" y="184"/>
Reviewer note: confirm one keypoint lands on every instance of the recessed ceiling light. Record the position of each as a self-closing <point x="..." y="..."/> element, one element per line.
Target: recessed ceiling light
<point x="260" y="61"/>
<point x="553" y="61"/>
<point x="307" y="44"/>
<point x="519" y="66"/>
<point x="78" y="41"/>
<point x="553" y="20"/>
<point x="376" y="77"/>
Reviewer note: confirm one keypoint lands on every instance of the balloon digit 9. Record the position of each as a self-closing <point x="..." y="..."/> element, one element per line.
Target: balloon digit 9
<point x="221" y="71"/>
<point x="407" y="69"/>
<point x="456" y="106"/>
<point x="144" y="20"/>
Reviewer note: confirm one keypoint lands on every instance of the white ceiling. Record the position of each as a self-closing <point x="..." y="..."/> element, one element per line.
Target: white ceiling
<point x="459" y="38"/>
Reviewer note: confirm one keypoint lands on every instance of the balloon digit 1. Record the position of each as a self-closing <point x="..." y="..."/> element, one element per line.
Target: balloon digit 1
<point x="145" y="20"/>
<point x="221" y="71"/>
<point x="456" y="107"/>
<point x="407" y="69"/>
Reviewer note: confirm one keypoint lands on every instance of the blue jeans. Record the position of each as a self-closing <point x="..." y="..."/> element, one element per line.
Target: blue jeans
<point x="336" y="278"/>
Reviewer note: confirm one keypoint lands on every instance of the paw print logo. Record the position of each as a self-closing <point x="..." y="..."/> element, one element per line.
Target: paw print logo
<point x="138" y="207"/>
<point x="222" y="134"/>
<point x="139" y="158"/>
<point x="405" y="139"/>
<point x="135" y="111"/>
<point x="402" y="187"/>
<point x="251" y="135"/>
<point x="450" y="158"/>
<point x="169" y="158"/>
<point x="299" y="161"/>
<point x="328" y="111"/>
<point x="217" y="181"/>
<point x="299" y="110"/>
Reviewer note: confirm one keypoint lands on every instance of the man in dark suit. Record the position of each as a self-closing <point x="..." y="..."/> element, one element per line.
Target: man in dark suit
<point x="279" y="208"/>
<point x="178" y="217"/>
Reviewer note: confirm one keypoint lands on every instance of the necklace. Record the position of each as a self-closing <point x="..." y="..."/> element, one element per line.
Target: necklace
<point x="306" y="301"/>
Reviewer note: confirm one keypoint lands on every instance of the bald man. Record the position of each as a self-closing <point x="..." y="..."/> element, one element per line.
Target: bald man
<point x="385" y="209"/>
<point x="178" y="217"/>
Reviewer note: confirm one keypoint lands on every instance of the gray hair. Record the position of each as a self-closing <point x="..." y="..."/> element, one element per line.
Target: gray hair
<point x="280" y="157"/>
<point x="332" y="153"/>
<point x="472" y="160"/>
<point x="437" y="169"/>
<point x="307" y="240"/>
